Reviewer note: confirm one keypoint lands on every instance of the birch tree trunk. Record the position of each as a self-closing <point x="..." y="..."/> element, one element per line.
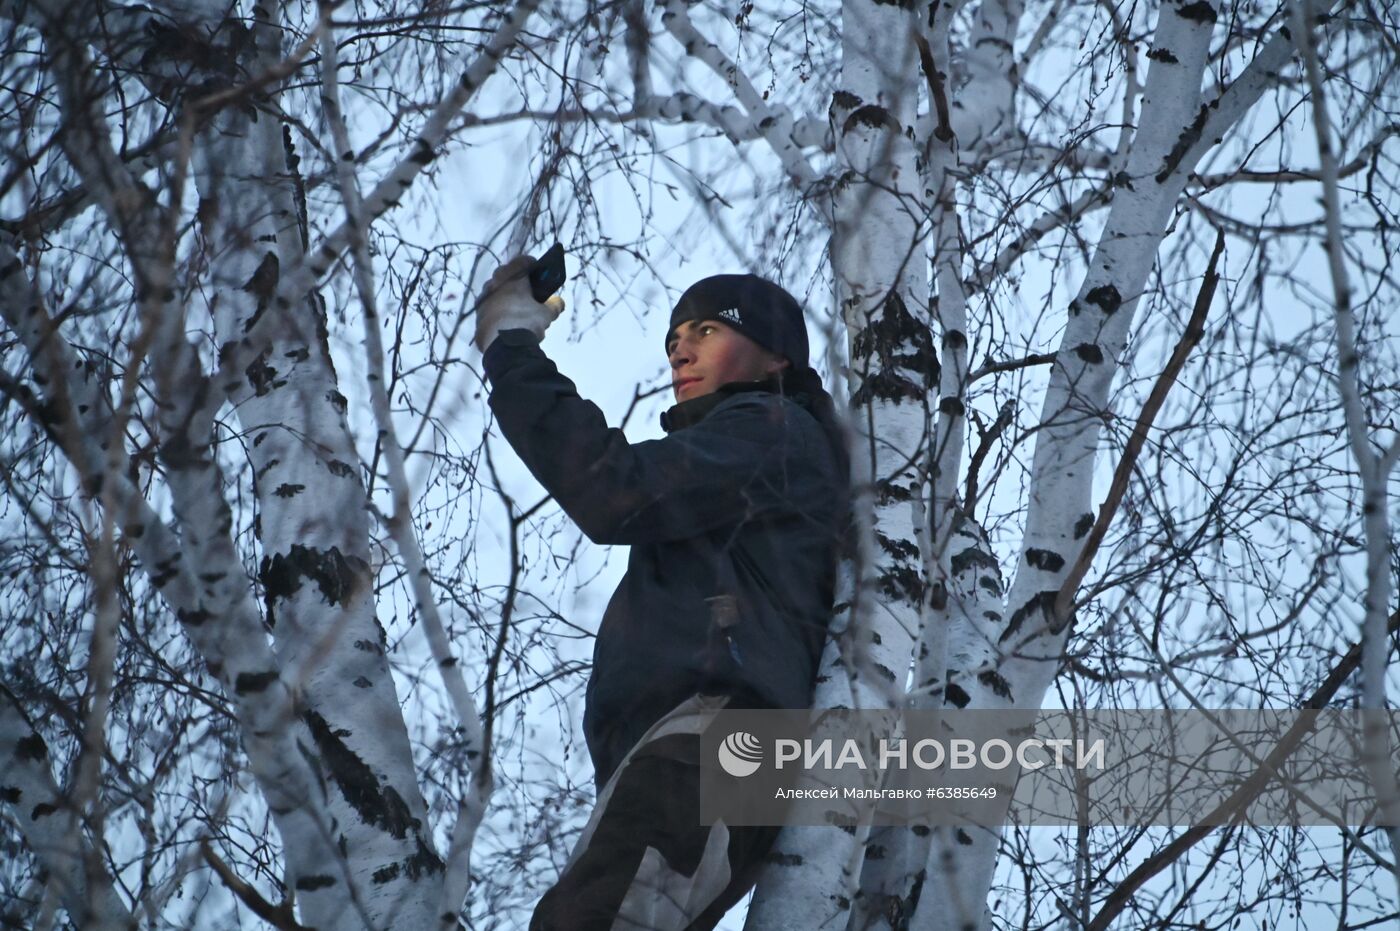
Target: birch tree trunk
<point x="204" y="196"/>
<point x="322" y="725"/>
<point x="880" y="217"/>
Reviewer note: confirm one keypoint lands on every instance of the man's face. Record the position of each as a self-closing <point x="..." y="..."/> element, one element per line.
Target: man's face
<point x="705" y="354"/>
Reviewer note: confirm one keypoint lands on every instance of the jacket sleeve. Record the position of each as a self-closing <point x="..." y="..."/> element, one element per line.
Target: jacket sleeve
<point x="735" y="464"/>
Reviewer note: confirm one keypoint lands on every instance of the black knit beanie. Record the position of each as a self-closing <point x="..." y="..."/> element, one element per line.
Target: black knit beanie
<point x="754" y="306"/>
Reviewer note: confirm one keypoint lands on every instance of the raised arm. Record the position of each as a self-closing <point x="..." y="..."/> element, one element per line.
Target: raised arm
<point x="744" y="460"/>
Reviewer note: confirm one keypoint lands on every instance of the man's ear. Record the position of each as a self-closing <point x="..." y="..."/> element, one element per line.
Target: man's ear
<point x="776" y="364"/>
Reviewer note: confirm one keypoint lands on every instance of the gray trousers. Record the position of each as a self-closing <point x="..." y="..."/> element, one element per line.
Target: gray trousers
<point x="645" y="860"/>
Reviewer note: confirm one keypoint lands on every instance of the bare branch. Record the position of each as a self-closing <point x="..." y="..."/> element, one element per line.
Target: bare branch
<point x="1195" y="329"/>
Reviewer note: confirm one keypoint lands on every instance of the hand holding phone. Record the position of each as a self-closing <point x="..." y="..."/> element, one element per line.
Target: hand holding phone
<point x="547" y="274"/>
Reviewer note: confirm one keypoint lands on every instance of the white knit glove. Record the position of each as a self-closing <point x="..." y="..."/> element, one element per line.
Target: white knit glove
<point x="507" y="304"/>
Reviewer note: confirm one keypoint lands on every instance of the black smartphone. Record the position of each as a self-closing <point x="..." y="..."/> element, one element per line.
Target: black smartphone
<point x="547" y="274"/>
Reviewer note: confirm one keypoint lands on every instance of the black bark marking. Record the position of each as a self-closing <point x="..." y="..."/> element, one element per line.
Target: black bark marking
<point x="885" y="386"/>
<point x="1089" y="352"/>
<point x="1189" y="137"/>
<point x="288" y="490"/>
<point x="1083" y="525"/>
<point x="898" y="549"/>
<point x="382" y="807"/>
<point x="340" y="468"/>
<point x="1161" y="54"/>
<point x="997" y="683"/>
<point x="42" y="810"/>
<point x="312" y="883"/>
<point x="884" y="671"/>
<point x="251" y="682"/>
<point x="260" y="375"/>
<point x="10" y="794"/>
<point x="873" y="116"/>
<point x="1197" y="12"/>
<point x="31" y="748"/>
<point x="423" y="153"/>
<point x="1047" y="560"/>
<point x="178" y="453"/>
<point x="970" y="557"/>
<point x="784" y="859"/>
<point x="1040" y="601"/>
<point x="957" y="695"/>
<point x="993" y="616"/>
<point x="952" y="407"/>
<point x="262" y="285"/>
<point x="298" y="355"/>
<point x="897" y="341"/>
<point x="50" y="412"/>
<point x="920" y="830"/>
<point x="954" y="339"/>
<point x="367" y="647"/>
<point x="385" y="874"/>
<point x="337" y="400"/>
<point x="335" y="574"/>
<point x="362" y="683"/>
<point x="964" y="838"/>
<point x="1106" y="298"/>
<point x="888" y="491"/>
<point x="845" y="100"/>
<point x="991" y="584"/>
<point x="938" y="596"/>
<point x="902" y="582"/>
<point x="423" y="863"/>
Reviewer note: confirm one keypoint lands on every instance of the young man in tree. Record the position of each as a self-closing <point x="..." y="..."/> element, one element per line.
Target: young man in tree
<point x="734" y="520"/>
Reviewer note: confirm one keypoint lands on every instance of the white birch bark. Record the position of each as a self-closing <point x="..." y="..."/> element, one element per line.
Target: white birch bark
<point x="222" y="593"/>
<point x="52" y="828"/>
<point x="369" y="833"/>
<point x="221" y="623"/>
<point x="313" y="527"/>
<point x="879" y="220"/>
<point x="961" y="572"/>
<point x="1173" y="130"/>
<point x="1372" y="465"/>
<point x="472" y="808"/>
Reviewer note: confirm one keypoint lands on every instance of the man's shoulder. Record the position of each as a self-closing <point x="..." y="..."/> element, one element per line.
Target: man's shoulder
<point x="767" y="406"/>
<point x="778" y="420"/>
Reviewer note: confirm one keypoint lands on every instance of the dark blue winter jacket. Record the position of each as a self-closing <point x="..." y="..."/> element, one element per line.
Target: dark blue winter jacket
<point x="733" y="518"/>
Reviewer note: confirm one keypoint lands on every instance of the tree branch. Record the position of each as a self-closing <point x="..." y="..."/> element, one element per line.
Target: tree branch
<point x="1123" y="893"/>
<point x="390" y="189"/>
<point x="401" y="521"/>
<point x="52" y="827"/>
<point x="776" y="123"/>
<point x="279" y="916"/>
<point x="1195" y="329"/>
